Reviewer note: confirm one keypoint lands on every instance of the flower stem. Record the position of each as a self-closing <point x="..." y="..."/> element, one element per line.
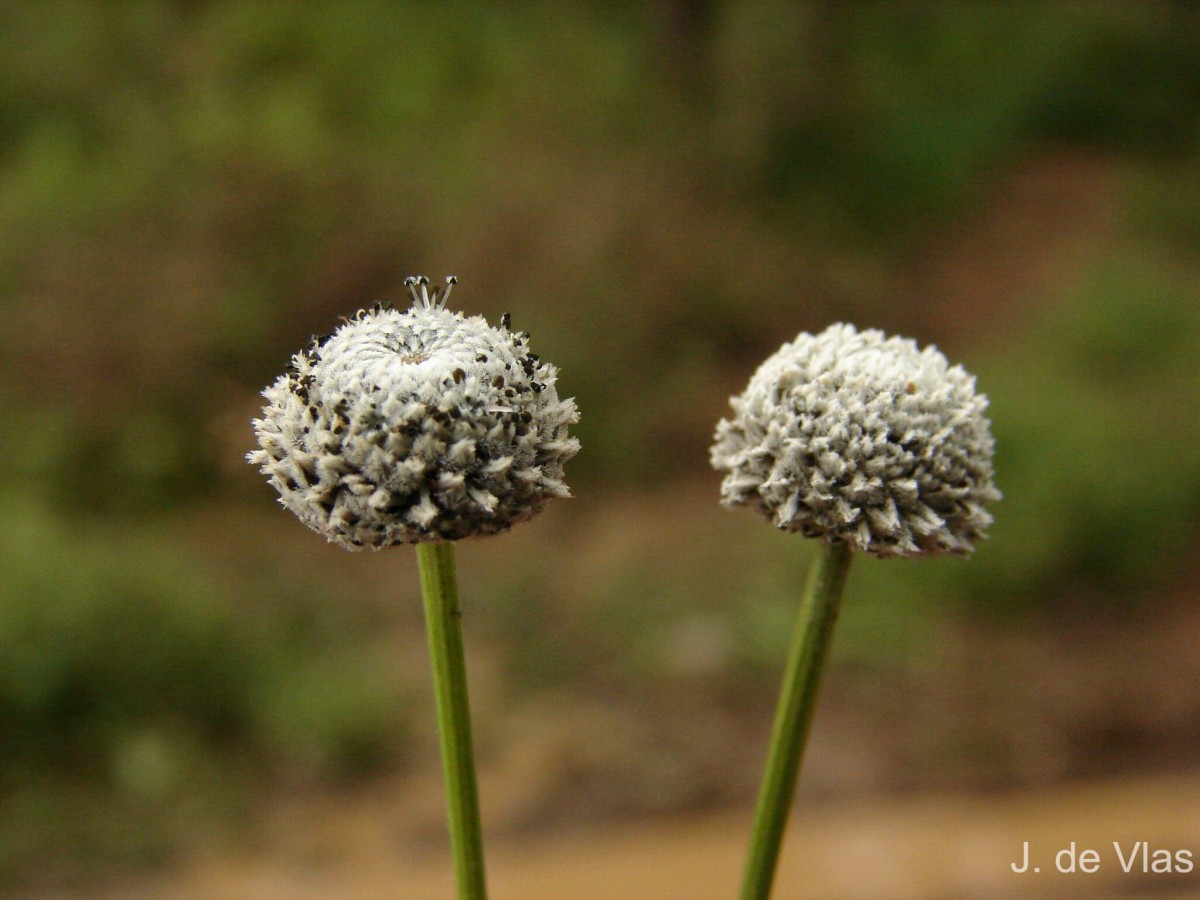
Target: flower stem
<point x="814" y="628"/>
<point x="443" y="624"/>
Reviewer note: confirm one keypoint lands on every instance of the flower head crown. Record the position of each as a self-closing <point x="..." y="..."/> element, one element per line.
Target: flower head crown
<point x="861" y="438"/>
<point x="411" y="426"/>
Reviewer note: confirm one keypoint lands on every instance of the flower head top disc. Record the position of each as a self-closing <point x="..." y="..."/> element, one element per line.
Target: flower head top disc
<point x="421" y="425"/>
<point x="861" y="438"/>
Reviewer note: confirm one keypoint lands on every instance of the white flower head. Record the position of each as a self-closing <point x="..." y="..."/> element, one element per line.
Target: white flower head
<point x="865" y="439"/>
<point x="422" y="425"/>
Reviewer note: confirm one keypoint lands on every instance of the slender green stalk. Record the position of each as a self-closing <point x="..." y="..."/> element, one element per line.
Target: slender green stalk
<point x="814" y="628"/>
<point x="443" y="623"/>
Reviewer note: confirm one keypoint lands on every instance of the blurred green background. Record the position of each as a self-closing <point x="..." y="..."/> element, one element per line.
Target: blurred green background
<point x="662" y="194"/>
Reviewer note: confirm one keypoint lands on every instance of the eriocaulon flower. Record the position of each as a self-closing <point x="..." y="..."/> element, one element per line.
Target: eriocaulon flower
<point x="421" y="425"/>
<point x="862" y="439"/>
<point x="871" y="444"/>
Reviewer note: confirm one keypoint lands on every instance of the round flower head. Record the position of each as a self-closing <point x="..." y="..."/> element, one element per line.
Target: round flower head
<point x="860" y="438"/>
<point x="411" y="426"/>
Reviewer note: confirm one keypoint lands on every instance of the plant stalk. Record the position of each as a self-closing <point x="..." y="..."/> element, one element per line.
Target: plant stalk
<point x="810" y="644"/>
<point x="443" y="622"/>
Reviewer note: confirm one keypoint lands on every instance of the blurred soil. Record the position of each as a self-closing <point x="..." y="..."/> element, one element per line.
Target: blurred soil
<point x="902" y="848"/>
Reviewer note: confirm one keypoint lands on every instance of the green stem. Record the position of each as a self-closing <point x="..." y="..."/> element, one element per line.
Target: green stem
<point x="443" y="623"/>
<point x="814" y="628"/>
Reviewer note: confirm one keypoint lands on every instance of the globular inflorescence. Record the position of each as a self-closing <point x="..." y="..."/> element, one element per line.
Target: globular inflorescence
<point x="861" y="438"/>
<point x="415" y="425"/>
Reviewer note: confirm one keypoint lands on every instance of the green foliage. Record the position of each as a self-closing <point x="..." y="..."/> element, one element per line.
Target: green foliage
<point x="131" y="671"/>
<point x="878" y="118"/>
<point x="1132" y="83"/>
<point x="336" y="715"/>
<point x="1100" y="454"/>
<point x="98" y="633"/>
<point x="142" y="462"/>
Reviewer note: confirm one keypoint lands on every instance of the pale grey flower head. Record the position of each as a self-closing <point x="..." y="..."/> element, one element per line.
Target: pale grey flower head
<point x="864" y="439"/>
<point x="421" y="425"/>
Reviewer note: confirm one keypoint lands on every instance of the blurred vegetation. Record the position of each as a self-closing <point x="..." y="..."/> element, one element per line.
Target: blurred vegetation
<point x="662" y="194"/>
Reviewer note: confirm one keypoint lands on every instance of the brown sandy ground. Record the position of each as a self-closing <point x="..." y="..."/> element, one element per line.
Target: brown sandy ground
<point x="907" y="849"/>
